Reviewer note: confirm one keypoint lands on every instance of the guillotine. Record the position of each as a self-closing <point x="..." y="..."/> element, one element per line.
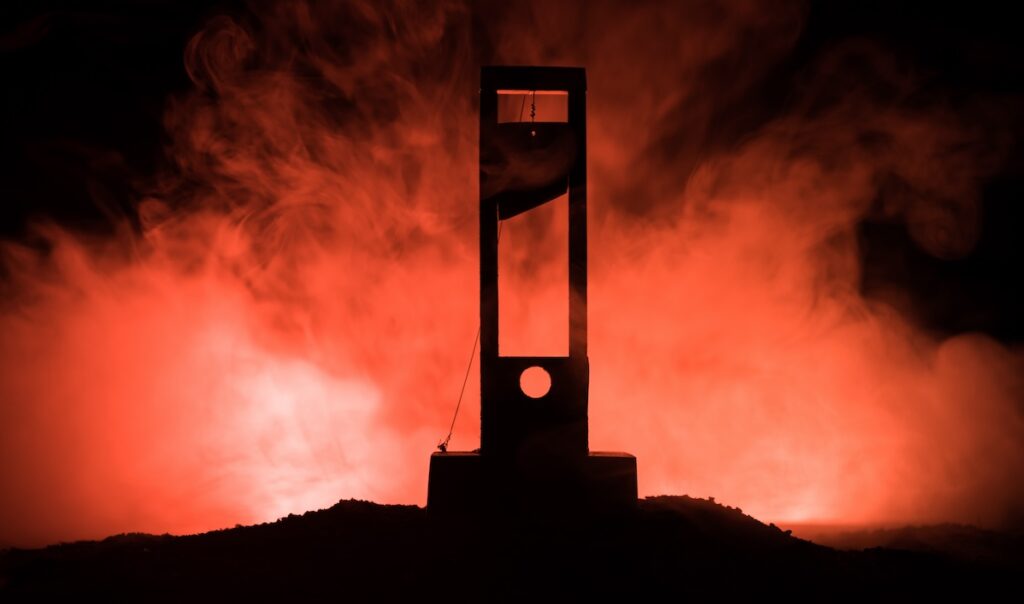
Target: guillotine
<point x="534" y="449"/>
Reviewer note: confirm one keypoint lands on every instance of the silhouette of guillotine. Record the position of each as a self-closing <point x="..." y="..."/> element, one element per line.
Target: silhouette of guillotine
<point x="533" y="451"/>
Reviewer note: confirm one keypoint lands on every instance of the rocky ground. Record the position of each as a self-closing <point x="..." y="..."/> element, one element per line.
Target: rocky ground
<point x="670" y="546"/>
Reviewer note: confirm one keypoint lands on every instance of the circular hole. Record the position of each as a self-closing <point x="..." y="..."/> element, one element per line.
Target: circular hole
<point x="535" y="382"/>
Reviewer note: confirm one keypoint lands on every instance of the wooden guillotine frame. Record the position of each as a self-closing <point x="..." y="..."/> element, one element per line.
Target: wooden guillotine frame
<point x="534" y="452"/>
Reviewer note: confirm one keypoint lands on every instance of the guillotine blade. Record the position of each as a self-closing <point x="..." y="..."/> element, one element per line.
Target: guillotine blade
<point x="524" y="165"/>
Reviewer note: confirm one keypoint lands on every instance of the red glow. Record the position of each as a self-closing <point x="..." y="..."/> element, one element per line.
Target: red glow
<point x="294" y="329"/>
<point x="533" y="282"/>
<point x="535" y="382"/>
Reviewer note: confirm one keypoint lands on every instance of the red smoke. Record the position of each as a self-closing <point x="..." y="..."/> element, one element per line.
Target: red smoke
<point x="292" y="322"/>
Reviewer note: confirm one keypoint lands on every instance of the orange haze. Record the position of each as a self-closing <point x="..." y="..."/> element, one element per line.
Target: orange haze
<point x="291" y="323"/>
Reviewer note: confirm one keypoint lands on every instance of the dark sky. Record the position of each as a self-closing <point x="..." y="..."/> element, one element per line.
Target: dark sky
<point x="86" y="86"/>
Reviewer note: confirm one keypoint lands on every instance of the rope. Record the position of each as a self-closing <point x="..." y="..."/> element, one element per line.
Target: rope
<point x="443" y="445"/>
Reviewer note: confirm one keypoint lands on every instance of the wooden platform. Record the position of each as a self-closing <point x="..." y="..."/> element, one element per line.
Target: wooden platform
<point x="464" y="481"/>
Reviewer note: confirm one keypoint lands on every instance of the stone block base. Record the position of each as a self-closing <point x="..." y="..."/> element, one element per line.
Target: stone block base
<point x="462" y="482"/>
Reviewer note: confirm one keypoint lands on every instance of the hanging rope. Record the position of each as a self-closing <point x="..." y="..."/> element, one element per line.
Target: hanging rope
<point x="443" y="445"/>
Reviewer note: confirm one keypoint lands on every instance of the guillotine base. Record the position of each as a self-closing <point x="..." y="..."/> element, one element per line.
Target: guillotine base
<point x="601" y="482"/>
